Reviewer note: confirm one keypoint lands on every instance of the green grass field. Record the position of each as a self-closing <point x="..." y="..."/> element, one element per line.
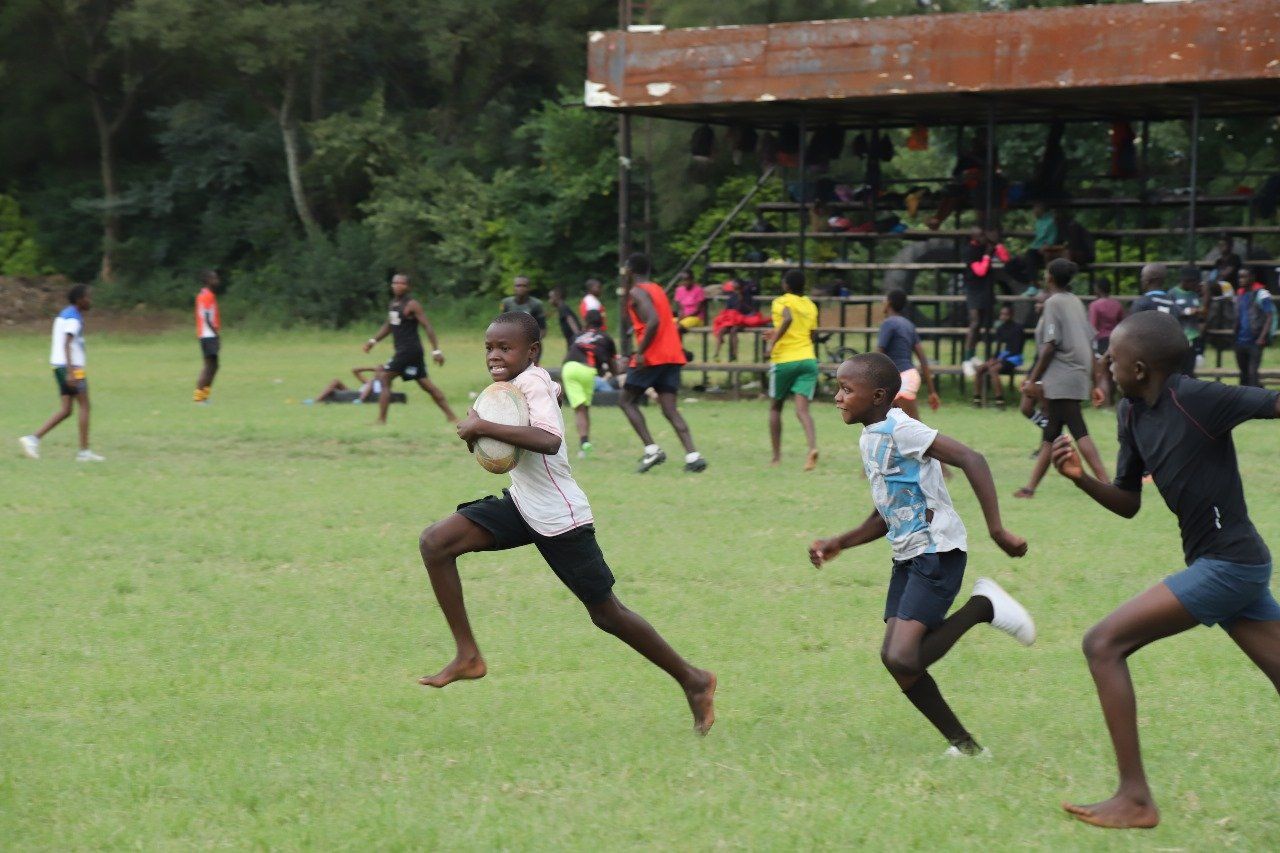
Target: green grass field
<point x="211" y="639"/>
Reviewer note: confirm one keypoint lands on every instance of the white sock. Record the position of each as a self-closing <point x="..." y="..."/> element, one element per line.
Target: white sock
<point x="693" y="456"/>
<point x="652" y="449"/>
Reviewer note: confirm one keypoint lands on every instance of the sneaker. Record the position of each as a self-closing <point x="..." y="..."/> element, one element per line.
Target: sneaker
<point x="696" y="466"/>
<point x="584" y="450"/>
<point x="957" y="752"/>
<point x="969" y="368"/>
<point x="648" y="461"/>
<point x="89" y="456"/>
<point x="30" y="446"/>
<point x="1008" y="615"/>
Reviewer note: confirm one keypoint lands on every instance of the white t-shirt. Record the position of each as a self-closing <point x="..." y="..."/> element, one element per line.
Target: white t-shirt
<point x="906" y="485"/>
<point x="542" y="486"/>
<point x="68" y="322"/>
<point x="590" y="303"/>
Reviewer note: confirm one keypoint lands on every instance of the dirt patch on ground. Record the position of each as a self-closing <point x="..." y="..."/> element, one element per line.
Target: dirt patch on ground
<point x="30" y="304"/>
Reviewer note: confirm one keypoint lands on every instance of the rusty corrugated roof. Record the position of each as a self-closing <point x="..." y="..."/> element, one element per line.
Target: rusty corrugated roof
<point x="1090" y="62"/>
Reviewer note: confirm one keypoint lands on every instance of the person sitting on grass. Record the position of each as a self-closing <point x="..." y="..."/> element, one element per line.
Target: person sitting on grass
<point x="1011" y="339"/>
<point x="337" y="391"/>
<point x="899" y="340"/>
<point x="1179" y="429"/>
<point x="901" y="458"/>
<point x="590" y="356"/>
<point x="545" y="508"/>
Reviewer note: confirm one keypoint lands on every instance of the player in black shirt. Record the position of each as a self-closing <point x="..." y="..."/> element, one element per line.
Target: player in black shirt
<point x="1179" y="429"/>
<point x="404" y="316"/>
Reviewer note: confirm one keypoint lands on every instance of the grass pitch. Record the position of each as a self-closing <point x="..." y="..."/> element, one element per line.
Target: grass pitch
<point x="211" y="639"/>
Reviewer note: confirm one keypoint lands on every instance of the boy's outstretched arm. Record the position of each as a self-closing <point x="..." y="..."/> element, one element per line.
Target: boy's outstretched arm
<point x="532" y="438"/>
<point x="1120" y="501"/>
<point x="975" y="468"/>
<point x="825" y="550"/>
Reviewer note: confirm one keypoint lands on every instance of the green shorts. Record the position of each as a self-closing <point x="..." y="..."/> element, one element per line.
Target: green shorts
<point x="793" y="377"/>
<point x="579" y="383"/>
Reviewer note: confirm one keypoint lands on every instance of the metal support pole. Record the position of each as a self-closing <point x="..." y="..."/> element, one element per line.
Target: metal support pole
<point x="804" y="190"/>
<point x="624" y="225"/>
<point x="1195" y="177"/>
<point x="988" y="219"/>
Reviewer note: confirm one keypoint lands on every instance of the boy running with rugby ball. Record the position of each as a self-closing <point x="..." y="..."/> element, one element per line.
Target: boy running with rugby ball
<point x="545" y="508"/>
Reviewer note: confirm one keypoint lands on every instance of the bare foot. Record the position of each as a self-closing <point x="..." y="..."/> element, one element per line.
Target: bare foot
<point x="459" y="669"/>
<point x="775" y="462"/>
<point x="1024" y="492"/>
<point x="1119" y="812"/>
<point x="701" y="696"/>
<point x="811" y="461"/>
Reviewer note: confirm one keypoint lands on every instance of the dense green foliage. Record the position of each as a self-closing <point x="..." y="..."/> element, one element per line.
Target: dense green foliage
<point x="306" y="148"/>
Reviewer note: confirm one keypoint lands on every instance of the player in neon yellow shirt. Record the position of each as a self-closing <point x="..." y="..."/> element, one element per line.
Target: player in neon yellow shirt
<point x="793" y="371"/>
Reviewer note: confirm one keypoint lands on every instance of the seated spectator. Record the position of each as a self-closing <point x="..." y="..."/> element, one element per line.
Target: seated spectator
<point x="741" y="312"/>
<point x="691" y="302"/>
<point x="1011" y="340"/>
<point x="337" y="392"/>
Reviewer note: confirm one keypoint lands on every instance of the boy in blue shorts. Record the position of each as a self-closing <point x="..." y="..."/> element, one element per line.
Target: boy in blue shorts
<point x="1178" y="429"/>
<point x="544" y="508"/>
<point x="902" y="459"/>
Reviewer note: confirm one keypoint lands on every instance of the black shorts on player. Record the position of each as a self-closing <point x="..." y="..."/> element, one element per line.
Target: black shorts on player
<point x="209" y="347"/>
<point x="574" y="556"/>
<point x="410" y="365"/>
<point x="663" y="378"/>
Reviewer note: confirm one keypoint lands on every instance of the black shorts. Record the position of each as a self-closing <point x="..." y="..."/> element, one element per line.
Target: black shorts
<point x="209" y="347"/>
<point x="924" y="587"/>
<point x="410" y="365"/>
<point x="574" y="556"/>
<point x="982" y="300"/>
<point x="60" y="379"/>
<point x="663" y="378"/>
<point x="1062" y="413"/>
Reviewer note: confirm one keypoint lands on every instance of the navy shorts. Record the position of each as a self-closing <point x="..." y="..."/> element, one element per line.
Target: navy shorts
<point x="410" y="365"/>
<point x="209" y="347"/>
<point x="1216" y="592"/>
<point x="663" y="378"/>
<point x="924" y="587"/>
<point x="574" y="556"/>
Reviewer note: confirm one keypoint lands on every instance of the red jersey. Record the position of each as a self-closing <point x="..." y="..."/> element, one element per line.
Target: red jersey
<point x="665" y="348"/>
<point x="207" y="322"/>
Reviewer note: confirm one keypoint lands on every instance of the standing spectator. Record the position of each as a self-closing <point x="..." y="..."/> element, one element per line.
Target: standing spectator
<point x="66" y="355"/>
<point x="898" y="339"/>
<point x="691" y="300"/>
<point x="208" y="331"/>
<point x="1105" y="313"/>
<point x="793" y="369"/>
<point x="1063" y="373"/>
<point x="979" y="289"/>
<point x="1155" y="298"/>
<point x="570" y="325"/>
<point x="1186" y="305"/>
<point x="524" y="303"/>
<point x="591" y="301"/>
<point x="1254" y="312"/>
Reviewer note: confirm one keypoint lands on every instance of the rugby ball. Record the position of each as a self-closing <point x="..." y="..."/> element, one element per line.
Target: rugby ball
<point x="500" y="403"/>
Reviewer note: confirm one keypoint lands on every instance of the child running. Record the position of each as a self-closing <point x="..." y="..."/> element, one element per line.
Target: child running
<point x="901" y="458"/>
<point x="1179" y="429"/>
<point x="590" y="355"/>
<point x="545" y="508"/>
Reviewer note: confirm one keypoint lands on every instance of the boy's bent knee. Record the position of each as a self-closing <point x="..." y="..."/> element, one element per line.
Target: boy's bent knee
<point x="1098" y="644"/>
<point x="900" y="664"/>
<point x="434" y="543"/>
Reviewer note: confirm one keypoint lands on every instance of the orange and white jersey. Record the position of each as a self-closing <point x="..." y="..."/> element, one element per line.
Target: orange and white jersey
<point x="207" y="321"/>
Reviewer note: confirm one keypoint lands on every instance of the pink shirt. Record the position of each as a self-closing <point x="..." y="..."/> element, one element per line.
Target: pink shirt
<point x="691" y="299"/>
<point x="1105" y="314"/>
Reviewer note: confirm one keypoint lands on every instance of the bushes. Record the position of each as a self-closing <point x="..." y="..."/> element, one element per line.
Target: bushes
<point x="19" y="252"/>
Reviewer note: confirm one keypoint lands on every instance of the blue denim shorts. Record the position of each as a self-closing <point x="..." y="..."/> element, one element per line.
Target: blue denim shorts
<point x="1216" y="592"/>
<point x="923" y="588"/>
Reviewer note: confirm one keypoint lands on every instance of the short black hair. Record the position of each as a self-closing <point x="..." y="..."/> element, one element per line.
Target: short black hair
<point x="528" y="325"/>
<point x="1062" y="271"/>
<point x="897" y="299"/>
<point x="206" y="275"/>
<point x="595" y="319"/>
<point x="76" y="293"/>
<point x="793" y="281"/>
<point x="878" y="369"/>
<point x="638" y="263"/>
<point x="1230" y="260"/>
<point x="1103" y="286"/>
<point x="1190" y="272"/>
<point x="1157" y="339"/>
